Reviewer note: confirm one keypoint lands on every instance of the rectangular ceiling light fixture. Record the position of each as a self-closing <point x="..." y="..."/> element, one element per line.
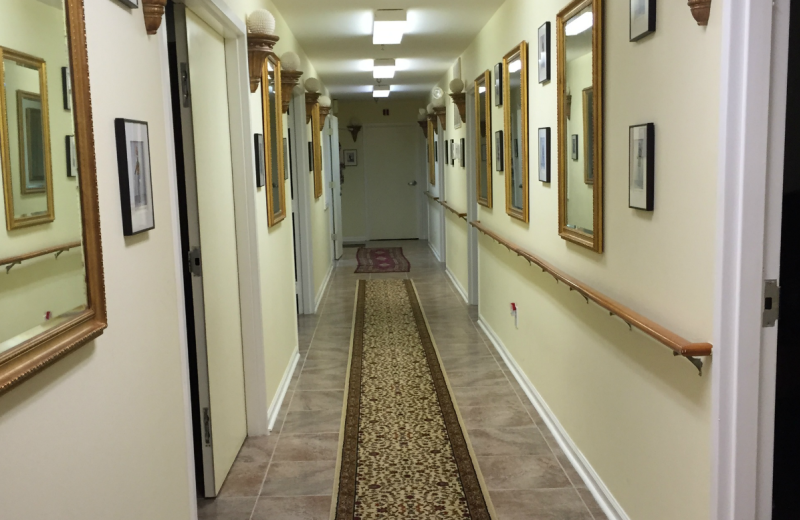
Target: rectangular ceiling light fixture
<point x="389" y="26"/>
<point x="383" y="68"/>
<point x="383" y="91"/>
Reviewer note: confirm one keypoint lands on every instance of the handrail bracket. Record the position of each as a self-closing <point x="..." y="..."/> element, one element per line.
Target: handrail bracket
<point x="9" y="266"/>
<point x="697" y="362"/>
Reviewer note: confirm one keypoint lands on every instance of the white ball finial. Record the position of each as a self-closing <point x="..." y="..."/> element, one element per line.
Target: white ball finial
<point x="430" y="108"/>
<point x="324" y="101"/>
<point x="438" y="102"/>
<point x="261" y="21"/>
<point x="313" y="85"/>
<point x="423" y="112"/>
<point x="422" y="115"/>
<point x="290" y="61"/>
<point x="457" y="86"/>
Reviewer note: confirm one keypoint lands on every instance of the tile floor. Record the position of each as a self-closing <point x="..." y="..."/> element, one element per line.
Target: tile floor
<point x="289" y="474"/>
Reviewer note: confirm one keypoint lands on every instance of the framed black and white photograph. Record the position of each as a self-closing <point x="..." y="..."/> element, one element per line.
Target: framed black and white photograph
<point x="66" y="87"/>
<point x="544" y="154"/>
<point x="641" y="167"/>
<point x="436" y="151"/>
<point x="446" y="153"/>
<point x="452" y="152"/>
<point x="351" y="157"/>
<point x="543" y="51"/>
<point x="286" y="159"/>
<point x="261" y="165"/>
<point x="498" y="85"/>
<point x="574" y="147"/>
<point x="463" y="152"/>
<point x="135" y="183"/>
<point x="457" y="154"/>
<point x="130" y="3"/>
<point x="643" y="18"/>
<point x="72" y="156"/>
<point x="310" y="156"/>
<point x="498" y="147"/>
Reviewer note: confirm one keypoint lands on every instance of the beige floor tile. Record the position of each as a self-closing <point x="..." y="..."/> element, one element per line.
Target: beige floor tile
<point x="293" y="508"/>
<point x="286" y="479"/>
<point x="523" y="472"/>
<point x="315" y="421"/>
<point x="540" y="504"/>
<point x="306" y="447"/>
<point x="317" y="400"/>
<point x="220" y="508"/>
<point x="513" y="416"/>
<point x="512" y="442"/>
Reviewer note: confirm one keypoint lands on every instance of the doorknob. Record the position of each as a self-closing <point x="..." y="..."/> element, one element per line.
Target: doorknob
<point x="412" y="183"/>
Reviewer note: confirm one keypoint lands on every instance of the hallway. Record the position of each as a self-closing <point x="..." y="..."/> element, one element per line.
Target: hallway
<point x="289" y="475"/>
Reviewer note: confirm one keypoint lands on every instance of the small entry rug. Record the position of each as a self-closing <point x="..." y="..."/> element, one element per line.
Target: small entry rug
<point x="382" y="260"/>
<point x="404" y="453"/>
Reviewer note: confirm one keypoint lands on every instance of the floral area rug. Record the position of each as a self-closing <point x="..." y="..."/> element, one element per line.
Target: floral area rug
<point x="404" y="453"/>
<point x="382" y="260"/>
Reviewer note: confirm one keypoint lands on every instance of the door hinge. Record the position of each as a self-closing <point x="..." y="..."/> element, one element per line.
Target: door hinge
<point x="331" y="185"/>
<point x="334" y="236"/>
<point x="207" y="426"/>
<point x="195" y="262"/>
<point x="185" y="86"/>
<point x="771" y="304"/>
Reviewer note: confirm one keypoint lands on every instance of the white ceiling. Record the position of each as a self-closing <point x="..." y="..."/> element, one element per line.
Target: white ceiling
<point x="337" y="36"/>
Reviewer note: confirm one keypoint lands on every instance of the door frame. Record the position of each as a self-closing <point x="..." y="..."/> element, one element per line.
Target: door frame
<point x="333" y="192"/>
<point x="749" y="178"/>
<point x="441" y="182"/>
<point x="473" y="289"/>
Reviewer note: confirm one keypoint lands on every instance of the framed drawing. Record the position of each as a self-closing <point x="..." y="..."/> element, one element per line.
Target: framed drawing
<point x="543" y="52"/>
<point x="452" y="152"/>
<point x="463" y="152"/>
<point x="72" y="156"/>
<point x="66" y="87"/>
<point x="135" y="184"/>
<point x="498" y="85"/>
<point x="446" y="153"/>
<point x="544" y="154"/>
<point x="574" y="147"/>
<point x="310" y="157"/>
<point x="498" y="146"/>
<point x="261" y="165"/>
<point x="286" y="159"/>
<point x="641" y="168"/>
<point x="643" y="18"/>
<point x="134" y="4"/>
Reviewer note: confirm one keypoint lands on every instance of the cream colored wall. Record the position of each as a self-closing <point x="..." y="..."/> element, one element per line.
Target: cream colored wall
<point x="107" y="423"/>
<point x="621" y="396"/>
<point x="321" y="243"/>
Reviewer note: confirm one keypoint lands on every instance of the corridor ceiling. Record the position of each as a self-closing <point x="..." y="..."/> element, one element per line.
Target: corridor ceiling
<point x="337" y="36"/>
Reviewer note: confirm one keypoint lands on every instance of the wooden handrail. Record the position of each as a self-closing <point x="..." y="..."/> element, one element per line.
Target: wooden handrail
<point x="11" y="261"/>
<point x="452" y="210"/>
<point x="679" y="345"/>
<point x="430" y="196"/>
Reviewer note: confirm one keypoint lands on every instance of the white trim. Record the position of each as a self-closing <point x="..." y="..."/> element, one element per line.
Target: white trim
<point x="594" y="483"/>
<point x="280" y="395"/>
<point x="741" y="205"/>
<point x="183" y="341"/>
<point x="323" y="287"/>
<point x="354" y="240"/>
<point x="457" y="284"/>
<point x="435" y="251"/>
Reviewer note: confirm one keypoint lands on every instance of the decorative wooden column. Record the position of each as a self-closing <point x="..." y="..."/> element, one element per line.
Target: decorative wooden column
<point x="424" y="126"/>
<point x="259" y="46"/>
<point x="153" y="14"/>
<point x="432" y="119"/>
<point x="701" y="10"/>
<point x="311" y="99"/>
<point x="461" y="102"/>
<point x="323" y="115"/>
<point x="442" y="113"/>
<point x="289" y="80"/>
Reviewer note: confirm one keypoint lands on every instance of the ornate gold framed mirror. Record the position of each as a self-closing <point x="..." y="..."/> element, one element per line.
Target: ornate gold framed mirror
<point x="580" y="123"/>
<point x="25" y="140"/>
<point x="52" y="297"/>
<point x="515" y="115"/>
<point x="483" y="138"/>
<point x="431" y="152"/>
<point x="316" y="144"/>
<point x="273" y="140"/>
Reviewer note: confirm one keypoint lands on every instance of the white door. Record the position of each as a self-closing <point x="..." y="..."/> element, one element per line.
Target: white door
<point x="215" y="280"/>
<point x="332" y="137"/>
<point x="391" y="177"/>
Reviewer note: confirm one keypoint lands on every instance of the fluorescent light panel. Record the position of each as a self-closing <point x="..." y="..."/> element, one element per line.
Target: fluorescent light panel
<point x="389" y="26"/>
<point x="383" y="68"/>
<point x="381" y="91"/>
<point x="579" y="24"/>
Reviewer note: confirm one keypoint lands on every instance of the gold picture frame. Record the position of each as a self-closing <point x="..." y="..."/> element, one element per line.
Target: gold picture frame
<point x="521" y="150"/>
<point x="483" y="137"/>
<point x="33" y="355"/>
<point x="432" y="130"/>
<point x="316" y="145"/>
<point x="273" y="140"/>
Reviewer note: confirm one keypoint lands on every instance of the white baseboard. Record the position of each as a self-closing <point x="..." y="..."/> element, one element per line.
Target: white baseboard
<point x="594" y="484"/>
<point x="354" y="240"/>
<point x="275" y="406"/>
<point x="324" y="286"/>
<point x="434" y="250"/>
<point x="459" y="287"/>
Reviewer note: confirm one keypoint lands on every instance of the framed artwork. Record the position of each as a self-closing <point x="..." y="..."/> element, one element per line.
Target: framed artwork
<point x="446" y="153"/>
<point x="498" y="85"/>
<point x="310" y="156"/>
<point x="261" y="164"/>
<point x="641" y="168"/>
<point x="463" y="152"/>
<point x="135" y="183"/>
<point x="134" y="4"/>
<point x="498" y="146"/>
<point x="574" y="147"/>
<point x="66" y="86"/>
<point x="643" y="18"/>
<point x="457" y="154"/>
<point x="544" y="154"/>
<point x="72" y="156"/>
<point x="287" y="161"/>
<point x="543" y="52"/>
<point x="452" y="152"/>
<point x="436" y="151"/>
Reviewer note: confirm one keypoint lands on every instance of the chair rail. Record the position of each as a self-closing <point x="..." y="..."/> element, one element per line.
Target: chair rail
<point x="452" y="210"/>
<point x="11" y="261"/>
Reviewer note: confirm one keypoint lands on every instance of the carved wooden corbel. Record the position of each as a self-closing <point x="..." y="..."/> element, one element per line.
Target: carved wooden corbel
<point x="289" y="80"/>
<point x="312" y="98"/>
<point x="701" y="10"/>
<point x="153" y="14"/>
<point x="424" y="126"/>
<point x="460" y="101"/>
<point x="259" y="46"/>
<point x="323" y="115"/>
<point x="442" y="113"/>
<point x="432" y="119"/>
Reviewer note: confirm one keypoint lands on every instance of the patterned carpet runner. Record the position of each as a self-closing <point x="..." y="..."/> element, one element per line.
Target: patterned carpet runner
<point x="404" y="454"/>
<point x="382" y="260"/>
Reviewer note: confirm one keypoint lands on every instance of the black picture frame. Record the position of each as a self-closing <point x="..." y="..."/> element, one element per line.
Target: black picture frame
<point x="136" y="189"/>
<point x="133" y="4"/>
<point x="498" y="84"/>
<point x="350" y="157"/>
<point x="543" y="145"/>
<point x="286" y="159"/>
<point x="574" y="147"/>
<point x="72" y="156"/>
<point x="498" y="147"/>
<point x="641" y="166"/>
<point x="261" y="165"/>
<point x="436" y="151"/>
<point x="446" y="153"/>
<point x="310" y="156"/>
<point x="452" y="152"/>
<point x="543" y="56"/>
<point x="66" y="88"/>
<point x="463" y="152"/>
<point x="642" y="19"/>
